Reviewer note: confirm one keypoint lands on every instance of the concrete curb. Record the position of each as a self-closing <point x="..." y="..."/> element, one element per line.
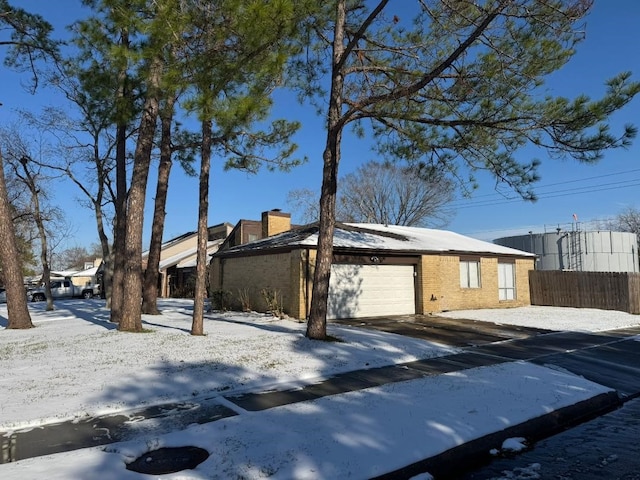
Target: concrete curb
<point x="464" y="457"/>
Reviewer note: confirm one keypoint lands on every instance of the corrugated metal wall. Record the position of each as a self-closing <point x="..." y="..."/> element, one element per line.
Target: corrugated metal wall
<point x="588" y="251"/>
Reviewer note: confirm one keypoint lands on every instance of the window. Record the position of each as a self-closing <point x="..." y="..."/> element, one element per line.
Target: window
<point x="506" y="281"/>
<point x="252" y="237"/>
<point x="469" y="274"/>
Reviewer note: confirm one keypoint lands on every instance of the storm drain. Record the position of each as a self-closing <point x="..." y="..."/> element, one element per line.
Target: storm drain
<point x="168" y="460"/>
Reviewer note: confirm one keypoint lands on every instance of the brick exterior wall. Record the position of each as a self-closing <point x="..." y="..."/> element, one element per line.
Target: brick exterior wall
<point x="274" y="222"/>
<point x="437" y="284"/>
<point x="439" y="277"/>
<point x="523" y="294"/>
<point x="253" y="274"/>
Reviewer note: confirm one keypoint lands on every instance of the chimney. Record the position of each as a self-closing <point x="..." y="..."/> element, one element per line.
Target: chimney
<point x="274" y="222"/>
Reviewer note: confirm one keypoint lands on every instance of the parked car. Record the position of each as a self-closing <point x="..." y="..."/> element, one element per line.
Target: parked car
<point x="64" y="289"/>
<point x="3" y="295"/>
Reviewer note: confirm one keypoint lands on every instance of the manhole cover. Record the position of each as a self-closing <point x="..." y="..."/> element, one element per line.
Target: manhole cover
<point x="168" y="460"/>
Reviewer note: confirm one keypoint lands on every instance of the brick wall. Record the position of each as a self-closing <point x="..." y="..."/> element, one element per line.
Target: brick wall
<point x="439" y="281"/>
<point x="429" y="284"/>
<point x="302" y="267"/>
<point x="253" y="274"/>
<point x="523" y="293"/>
<point x="274" y="222"/>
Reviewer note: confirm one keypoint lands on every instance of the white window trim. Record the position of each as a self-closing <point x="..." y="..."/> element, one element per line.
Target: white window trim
<point x="470" y="278"/>
<point x="505" y="289"/>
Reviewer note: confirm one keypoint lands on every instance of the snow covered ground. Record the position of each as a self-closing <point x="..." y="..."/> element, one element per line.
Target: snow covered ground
<point x="76" y="364"/>
<point x="552" y="318"/>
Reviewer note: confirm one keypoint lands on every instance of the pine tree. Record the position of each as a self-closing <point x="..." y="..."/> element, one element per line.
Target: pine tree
<point x="456" y="86"/>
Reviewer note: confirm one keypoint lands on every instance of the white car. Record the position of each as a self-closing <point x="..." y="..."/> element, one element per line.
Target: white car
<point x="3" y="295"/>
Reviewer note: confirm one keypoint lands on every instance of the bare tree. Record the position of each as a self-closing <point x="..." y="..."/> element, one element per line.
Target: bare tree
<point x="27" y="38"/>
<point x="303" y="204"/>
<point x="385" y="193"/>
<point x="626" y="221"/>
<point x="32" y="175"/>
<point x="75" y="258"/>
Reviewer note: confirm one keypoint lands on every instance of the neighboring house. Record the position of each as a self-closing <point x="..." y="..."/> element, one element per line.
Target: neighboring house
<point x="579" y="250"/>
<point x="178" y="259"/>
<point x="377" y="270"/>
<point x="245" y="231"/>
<point x="89" y="276"/>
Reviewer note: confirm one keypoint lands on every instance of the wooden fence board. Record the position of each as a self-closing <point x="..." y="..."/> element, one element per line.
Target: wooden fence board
<point x="603" y="290"/>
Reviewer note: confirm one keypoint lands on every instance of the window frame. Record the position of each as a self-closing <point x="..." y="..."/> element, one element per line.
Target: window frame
<point x="467" y="274"/>
<point x="504" y="289"/>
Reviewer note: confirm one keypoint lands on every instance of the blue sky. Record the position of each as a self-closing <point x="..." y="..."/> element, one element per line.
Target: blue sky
<point x="592" y="192"/>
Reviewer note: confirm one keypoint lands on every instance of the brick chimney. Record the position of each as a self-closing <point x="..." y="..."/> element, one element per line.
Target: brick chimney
<point x="274" y="222"/>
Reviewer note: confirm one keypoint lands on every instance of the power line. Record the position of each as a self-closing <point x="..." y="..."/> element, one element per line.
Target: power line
<point x="497" y="198"/>
<point x="552" y="194"/>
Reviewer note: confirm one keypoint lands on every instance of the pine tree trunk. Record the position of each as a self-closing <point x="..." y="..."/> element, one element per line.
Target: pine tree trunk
<point x="116" y="300"/>
<point x="131" y="320"/>
<point x="197" y="325"/>
<point x="152" y="272"/>
<point x="17" y="311"/>
<point x="120" y="227"/>
<point x="317" y="323"/>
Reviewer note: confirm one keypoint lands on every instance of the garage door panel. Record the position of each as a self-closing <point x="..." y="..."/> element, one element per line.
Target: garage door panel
<point x="371" y="290"/>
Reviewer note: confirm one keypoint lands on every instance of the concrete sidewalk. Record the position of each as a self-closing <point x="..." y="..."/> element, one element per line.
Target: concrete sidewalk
<point x="608" y="358"/>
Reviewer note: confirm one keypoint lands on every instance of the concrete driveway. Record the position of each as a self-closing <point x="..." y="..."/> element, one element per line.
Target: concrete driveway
<point x="446" y="331"/>
<point x="611" y="358"/>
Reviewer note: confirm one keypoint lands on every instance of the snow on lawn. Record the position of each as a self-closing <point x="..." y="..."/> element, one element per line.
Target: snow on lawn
<point x="76" y="363"/>
<point x="552" y="318"/>
<point x="356" y="435"/>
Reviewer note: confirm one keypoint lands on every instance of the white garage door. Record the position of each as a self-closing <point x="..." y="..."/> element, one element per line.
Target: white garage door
<point x="371" y="291"/>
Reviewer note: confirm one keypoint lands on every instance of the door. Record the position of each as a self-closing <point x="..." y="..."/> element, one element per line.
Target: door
<point x="357" y="291"/>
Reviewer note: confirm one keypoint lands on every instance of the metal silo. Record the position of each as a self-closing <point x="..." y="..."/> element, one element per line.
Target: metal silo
<point x="579" y="250"/>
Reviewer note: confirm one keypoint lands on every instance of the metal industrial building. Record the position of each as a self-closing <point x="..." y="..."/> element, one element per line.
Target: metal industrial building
<point x="579" y="250"/>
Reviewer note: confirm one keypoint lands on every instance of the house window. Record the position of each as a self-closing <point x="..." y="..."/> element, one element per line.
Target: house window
<point x="506" y="281"/>
<point x="252" y="237"/>
<point x="469" y="274"/>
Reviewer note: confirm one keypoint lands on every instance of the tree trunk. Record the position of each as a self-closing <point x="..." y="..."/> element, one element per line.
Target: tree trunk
<point x="105" y="247"/>
<point x="131" y="319"/>
<point x="116" y="300"/>
<point x="117" y="277"/>
<point x="17" y="311"/>
<point x="152" y="272"/>
<point x="107" y="258"/>
<point x="42" y="232"/>
<point x="197" y="325"/>
<point x="317" y="323"/>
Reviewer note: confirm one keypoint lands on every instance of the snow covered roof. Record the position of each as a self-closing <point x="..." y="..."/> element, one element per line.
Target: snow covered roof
<point x="87" y="273"/>
<point x="179" y="258"/>
<point x="385" y="238"/>
<point x="64" y="273"/>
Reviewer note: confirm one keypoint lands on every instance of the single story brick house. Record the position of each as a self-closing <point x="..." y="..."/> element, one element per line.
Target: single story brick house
<point x="377" y="270"/>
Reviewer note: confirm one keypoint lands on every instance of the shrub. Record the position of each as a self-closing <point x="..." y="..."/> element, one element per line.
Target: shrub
<point x="273" y="299"/>
<point x="220" y="299"/>
<point x="245" y="299"/>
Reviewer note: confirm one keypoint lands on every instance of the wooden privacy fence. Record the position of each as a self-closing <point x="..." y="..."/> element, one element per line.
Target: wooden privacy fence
<point x="604" y="290"/>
